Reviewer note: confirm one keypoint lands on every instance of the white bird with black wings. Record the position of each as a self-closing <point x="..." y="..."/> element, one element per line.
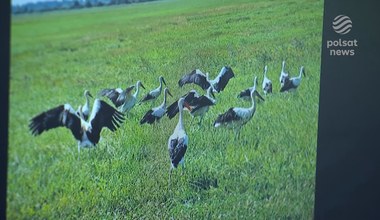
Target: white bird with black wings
<point x="178" y="141"/>
<point x="86" y="132"/>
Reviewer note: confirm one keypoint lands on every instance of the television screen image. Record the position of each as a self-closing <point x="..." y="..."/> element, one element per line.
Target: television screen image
<point x="163" y="109"/>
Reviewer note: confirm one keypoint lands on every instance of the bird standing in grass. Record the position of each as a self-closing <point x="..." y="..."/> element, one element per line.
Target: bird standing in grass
<point x="86" y="132"/>
<point x="117" y="96"/>
<point x="201" y="105"/>
<point x="246" y="94"/>
<point x="267" y="84"/>
<point x="85" y="109"/>
<point x="236" y="117"/>
<point x="189" y="97"/>
<point x="155" y="114"/>
<point x="198" y="77"/>
<point x="130" y="103"/>
<point x="153" y="94"/>
<point x="178" y="141"/>
<point x="284" y="76"/>
<point x="293" y="83"/>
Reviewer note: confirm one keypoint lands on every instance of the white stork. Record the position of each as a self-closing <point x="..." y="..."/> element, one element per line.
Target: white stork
<point x="197" y="77"/>
<point x="155" y="114"/>
<point x="283" y="75"/>
<point x="267" y="84"/>
<point x="236" y="117"/>
<point x="130" y="103"/>
<point x="178" y="141"/>
<point x="201" y="105"/>
<point x="246" y="94"/>
<point x="153" y="94"/>
<point x="86" y="132"/>
<point x="293" y="83"/>
<point x="85" y="109"/>
<point x="189" y="97"/>
<point x="119" y="96"/>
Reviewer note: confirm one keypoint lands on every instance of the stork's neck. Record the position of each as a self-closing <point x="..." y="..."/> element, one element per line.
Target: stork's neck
<point x="160" y="87"/>
<point x="209" y="92"/>
<point x="164" y="102"/>
<point x="137" y="90"/>
<point x="300" y="75"/>
<point x="179" y="124"/>
<point x="87" y="100"/>
<point x="253" y="107"/>
<point x="208" y="79"/>
<point x="283" y="66"/>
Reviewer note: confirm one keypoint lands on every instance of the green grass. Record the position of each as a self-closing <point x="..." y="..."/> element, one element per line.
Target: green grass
<point x="268" y="173"/>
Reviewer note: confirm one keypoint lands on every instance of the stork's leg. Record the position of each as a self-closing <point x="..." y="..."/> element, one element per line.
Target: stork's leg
<point x="170" y="177"/>
<point x="191" y="122"/>
<point x="200" y="120"/>
<point x="78" y="150"/>
<point x="183" y="168"/>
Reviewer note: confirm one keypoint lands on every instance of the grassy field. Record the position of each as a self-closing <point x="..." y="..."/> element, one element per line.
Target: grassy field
<point x="268" y="173"/>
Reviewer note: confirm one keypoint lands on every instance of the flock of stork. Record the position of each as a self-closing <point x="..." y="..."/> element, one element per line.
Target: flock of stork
<point x="86" y="126"/>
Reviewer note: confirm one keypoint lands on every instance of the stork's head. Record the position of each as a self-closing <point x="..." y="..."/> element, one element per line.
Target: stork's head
<point x="166" y="91"/>
<point x="162" y="80"/>
<point x="302" y="71"/>
<point x="139" y="83"/>
<point x="87" y="93"/>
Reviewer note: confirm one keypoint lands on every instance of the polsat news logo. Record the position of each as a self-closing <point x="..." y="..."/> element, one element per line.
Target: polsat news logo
<point x="342" y="25"/>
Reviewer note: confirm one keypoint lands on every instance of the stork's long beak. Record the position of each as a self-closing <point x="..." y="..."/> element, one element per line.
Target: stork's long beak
<point x="142" y="85"/>
<point x="258" y="95"/>
<point x="163" y="80"/>
<point x="89" y="94"/>
<point x="303" y="71"/>
<point x="169" y="93"/>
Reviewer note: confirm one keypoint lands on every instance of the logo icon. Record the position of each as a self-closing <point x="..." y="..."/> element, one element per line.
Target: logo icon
<point x="342" y="24"/>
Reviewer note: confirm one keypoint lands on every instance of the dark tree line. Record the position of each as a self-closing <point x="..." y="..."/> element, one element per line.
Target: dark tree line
<point x="68" y="4"/>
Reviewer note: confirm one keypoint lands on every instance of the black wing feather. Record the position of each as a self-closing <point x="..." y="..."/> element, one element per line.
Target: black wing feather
<point x="177" y="150"/>
<point x="223" y="79"/>
<point x="244" y="93"/>
<point x="113" y="95"/>
<point x="195" y="78"/>
<point x="147" y="97"/>
<point x="268" y="87"/>
<point x="173" y="110"/>
<point x="56" y="117"/>
<point x="202" y="102"/>
<point x="107" y="117"/>
<point x="287" y="85"/>
<point x="228" y="116"/>
<point x="149" y="118"/>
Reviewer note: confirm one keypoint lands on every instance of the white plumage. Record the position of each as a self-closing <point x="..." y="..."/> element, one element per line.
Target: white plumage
<point x="283" y="75"/>
<point x="153" y="94"/>
<point x="86" y="132"/>
<point x="178" y="141"/>
<point x="201" y="105"/>
<point x="201" y="79"/>
<point x="130" y="103"/>
<point x="236" y="117"/>
<point x="85" y="109"/>
<point x="293" y="83"/>
<point x="267" y="83"/>
<point x="155" y="114"/>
